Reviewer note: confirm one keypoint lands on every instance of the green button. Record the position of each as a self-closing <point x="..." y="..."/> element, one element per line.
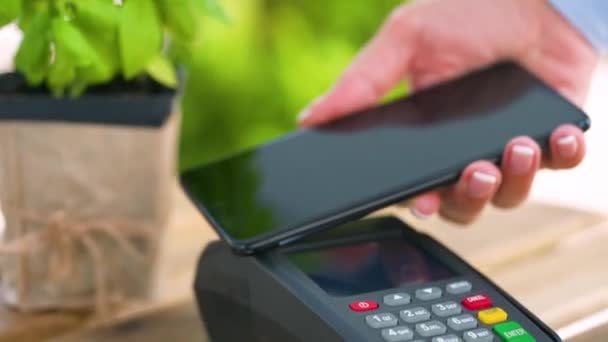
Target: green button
<point x="513" y="332"/>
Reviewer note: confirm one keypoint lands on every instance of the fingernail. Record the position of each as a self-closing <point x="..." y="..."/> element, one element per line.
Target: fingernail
<point x="522" y="158"/>
<point x="304" y="113"/>
<point x="481" y="184"/>
<point x="567" y="146"/>
<point x="419" y="214"/>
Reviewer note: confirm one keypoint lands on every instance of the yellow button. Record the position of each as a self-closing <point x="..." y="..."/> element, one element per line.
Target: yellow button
<point x="492" y="316"/>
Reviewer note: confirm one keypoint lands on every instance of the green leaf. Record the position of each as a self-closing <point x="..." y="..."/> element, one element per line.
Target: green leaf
<point x="100" y="16"/>
<point x="78" y="57"/>
<point x="105" y="63"/>
<point x="61" y="74"/>
<point x="215" y="10"/>
<point x="29" y="8"/>
<point x="180" y="18"/>
<point x="34" y="53"/>
<point x="162" y="71"/>
<point x="77" y="88"/>
<point x="72" y="43"/>
<point x="9" y="11"/>
<point x="71" y="51"/>
<point x="98" y="21"/>
<point x="140" y="36"/>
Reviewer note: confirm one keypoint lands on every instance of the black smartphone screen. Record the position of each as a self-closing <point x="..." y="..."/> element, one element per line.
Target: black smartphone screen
<point x="316" y="178"/>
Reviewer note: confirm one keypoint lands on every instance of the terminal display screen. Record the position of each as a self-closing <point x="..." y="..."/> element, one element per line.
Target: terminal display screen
<point x="369" y="266"/>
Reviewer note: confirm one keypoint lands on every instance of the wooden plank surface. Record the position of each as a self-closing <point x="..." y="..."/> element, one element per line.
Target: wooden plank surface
<point x="176" y="322"/>
<point x="567" y="283"/>
<point x="508" y="246"/>
<point x="181" y="244"/>
<point x="591" y="328"/>
<point x="23" y="327"/>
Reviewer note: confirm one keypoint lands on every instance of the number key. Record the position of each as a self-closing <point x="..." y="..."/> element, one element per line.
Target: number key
<point x="381" y="320"/>
<point x="447" y="338"/>
<point x="415" y="315"/>
<point x="446" y="309"/>
<point x="397" y="334"/>
<point x="432" y="328"/>
<point x="462" y="322"/>
<point x="479" y="335"/>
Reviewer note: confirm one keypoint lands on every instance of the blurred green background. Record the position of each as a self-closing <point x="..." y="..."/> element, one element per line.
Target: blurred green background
<point x="250" y="76"/>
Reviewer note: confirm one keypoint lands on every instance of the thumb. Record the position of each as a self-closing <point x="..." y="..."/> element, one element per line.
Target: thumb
<point x="375" y="71"/>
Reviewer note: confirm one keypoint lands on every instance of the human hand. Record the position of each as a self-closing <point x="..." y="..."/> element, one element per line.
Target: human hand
<point x="431" y="41"/>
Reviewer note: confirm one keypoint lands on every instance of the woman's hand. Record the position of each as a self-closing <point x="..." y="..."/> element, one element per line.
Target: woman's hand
<point x="430" y="41"/>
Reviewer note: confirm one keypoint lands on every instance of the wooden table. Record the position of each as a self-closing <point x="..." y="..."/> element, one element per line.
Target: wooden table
<point x="548" y="257"/>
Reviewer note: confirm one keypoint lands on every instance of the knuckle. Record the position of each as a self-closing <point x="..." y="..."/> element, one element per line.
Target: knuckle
<point x="571" y="163"/>
<point x="402" y="22"/>
<point x="506" y="204"/>
<point x="509" y="203"/>
<point x="461" y="221"/>
<point x="568" y="127"/>
<point x="526" y="140"/>
<point x="484" y="165"/>
<point x="458" y="217"/>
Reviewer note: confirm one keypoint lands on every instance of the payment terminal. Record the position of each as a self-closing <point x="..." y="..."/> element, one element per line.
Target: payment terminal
<point x="370" y="280"/>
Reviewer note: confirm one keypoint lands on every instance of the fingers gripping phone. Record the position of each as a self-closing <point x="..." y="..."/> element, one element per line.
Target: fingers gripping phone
<point x="321" y="177"/>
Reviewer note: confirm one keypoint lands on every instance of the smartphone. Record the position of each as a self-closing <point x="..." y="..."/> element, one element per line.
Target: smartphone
<point x="321" y="177"/>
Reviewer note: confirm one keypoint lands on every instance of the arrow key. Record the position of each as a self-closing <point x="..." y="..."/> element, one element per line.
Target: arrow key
<point x="428" y="293"/>
<point x="397" y="299"/>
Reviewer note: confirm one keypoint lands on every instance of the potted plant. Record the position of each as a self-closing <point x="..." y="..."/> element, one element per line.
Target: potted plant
<point x="87" y="146"/>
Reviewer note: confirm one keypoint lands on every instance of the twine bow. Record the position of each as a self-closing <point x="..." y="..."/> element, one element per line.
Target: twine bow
<point x="61" y="235"/>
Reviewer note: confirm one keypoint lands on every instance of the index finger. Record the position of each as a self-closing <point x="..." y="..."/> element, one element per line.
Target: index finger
<point x="375" y="71"/>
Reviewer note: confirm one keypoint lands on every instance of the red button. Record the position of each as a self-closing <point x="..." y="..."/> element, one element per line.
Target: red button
<point x="363" y="305"/>
<point x="477" y="302"/>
